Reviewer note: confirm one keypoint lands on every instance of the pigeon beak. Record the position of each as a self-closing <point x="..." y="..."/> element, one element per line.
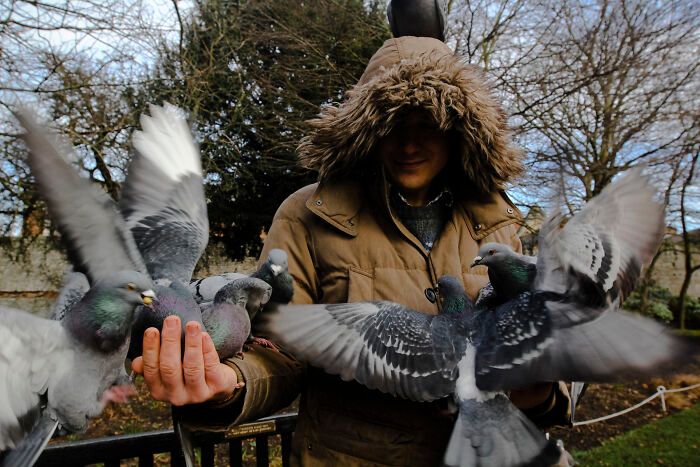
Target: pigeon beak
<point x="476" y="262"/>
<point x="276" y="269"/>
<point x="147" y="297"/>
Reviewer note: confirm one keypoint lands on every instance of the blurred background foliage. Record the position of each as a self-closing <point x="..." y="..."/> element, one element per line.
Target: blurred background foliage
<point x="592" y="87"/>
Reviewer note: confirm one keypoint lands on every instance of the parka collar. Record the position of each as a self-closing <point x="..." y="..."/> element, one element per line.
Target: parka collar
<point x="340" y="203"/>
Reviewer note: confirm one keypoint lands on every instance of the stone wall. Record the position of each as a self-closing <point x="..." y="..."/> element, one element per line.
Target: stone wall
<point x="30" y="281"/>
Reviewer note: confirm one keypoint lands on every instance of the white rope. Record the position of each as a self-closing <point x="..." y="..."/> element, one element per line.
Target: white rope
<point x="660" y="392"/>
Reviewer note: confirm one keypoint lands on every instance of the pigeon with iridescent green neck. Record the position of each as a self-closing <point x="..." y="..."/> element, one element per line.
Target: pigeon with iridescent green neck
<point x="64" y="372"/>
<point x="510" y="274"/>
<point x="421" y="357"/>
<point x="565" y="326"/>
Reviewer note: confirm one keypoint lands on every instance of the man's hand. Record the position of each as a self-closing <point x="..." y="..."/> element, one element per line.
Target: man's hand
<point x="198" y="377"/>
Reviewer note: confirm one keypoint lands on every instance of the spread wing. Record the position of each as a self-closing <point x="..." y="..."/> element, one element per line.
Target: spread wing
<point x="382" y="345"/>
<point x="599" y="253"/>
<point x="613" y="346"/>
<point x="32" y="350"/>
<point x="163" y="199"/>
<point x="97" y="241"/>
<point x="75" y="286"/>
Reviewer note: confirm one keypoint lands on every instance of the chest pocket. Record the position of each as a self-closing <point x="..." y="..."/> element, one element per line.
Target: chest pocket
<point x="360" y="285"/>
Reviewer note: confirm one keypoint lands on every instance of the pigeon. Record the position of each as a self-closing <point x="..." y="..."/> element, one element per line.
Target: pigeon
<point x="164" y="208"/>
<point x="566" y="326"/>
<point x="421" y="357"/>
<point x="274" y="271"/>
<point x="422" y="18"/>
<point x="64" y="372"/>
<point x="226" y="318"/>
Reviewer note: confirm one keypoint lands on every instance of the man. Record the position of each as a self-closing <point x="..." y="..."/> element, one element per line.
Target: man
<point x="411" y="170"/>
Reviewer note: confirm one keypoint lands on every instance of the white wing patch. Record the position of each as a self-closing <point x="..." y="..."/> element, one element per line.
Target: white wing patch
<point x="167" y="142"/>
<point x="30" y="349"/>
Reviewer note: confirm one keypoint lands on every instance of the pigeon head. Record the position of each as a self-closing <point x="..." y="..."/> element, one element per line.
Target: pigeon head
<point x="492" y="254"/>
<point x="102" y="320"/>
<point x="451" y="293"/>
<point x="277" y="261"/>
<point x="133" y="287"/>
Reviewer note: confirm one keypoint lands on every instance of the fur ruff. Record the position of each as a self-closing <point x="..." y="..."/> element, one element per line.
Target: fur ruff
<point x="458" y="97"/>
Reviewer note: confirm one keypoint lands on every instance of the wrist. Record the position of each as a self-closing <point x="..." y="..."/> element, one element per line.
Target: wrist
<point x="233" y="389"/>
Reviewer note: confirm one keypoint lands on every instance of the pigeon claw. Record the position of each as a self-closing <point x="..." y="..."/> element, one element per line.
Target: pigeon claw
<point x="118" y="394"/>
<point x="265" y="343"/>
<point x="239" y="355"/>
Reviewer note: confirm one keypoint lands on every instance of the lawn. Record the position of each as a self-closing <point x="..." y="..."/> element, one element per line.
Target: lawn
<point x="674" y="441"/>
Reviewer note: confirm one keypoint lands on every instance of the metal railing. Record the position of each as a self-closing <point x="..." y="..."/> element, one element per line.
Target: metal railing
<point x="110" y="451"/>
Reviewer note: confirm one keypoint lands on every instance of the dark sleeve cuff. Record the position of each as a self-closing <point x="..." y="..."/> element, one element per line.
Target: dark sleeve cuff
<point x="554" y="410"/>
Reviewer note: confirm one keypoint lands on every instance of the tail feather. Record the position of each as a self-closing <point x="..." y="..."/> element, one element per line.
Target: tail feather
<point x="495" y="433"/>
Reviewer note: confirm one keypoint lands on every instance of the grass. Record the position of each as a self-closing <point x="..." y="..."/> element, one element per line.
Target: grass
<point x="674" y="440"/>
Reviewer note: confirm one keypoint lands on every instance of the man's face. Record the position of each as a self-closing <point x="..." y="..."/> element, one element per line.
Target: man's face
<point x="414" y="153"/>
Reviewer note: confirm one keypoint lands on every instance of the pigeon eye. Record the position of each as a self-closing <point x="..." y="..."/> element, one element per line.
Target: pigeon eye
<point x="491" y="252"/>
<point x="131" y="286"/>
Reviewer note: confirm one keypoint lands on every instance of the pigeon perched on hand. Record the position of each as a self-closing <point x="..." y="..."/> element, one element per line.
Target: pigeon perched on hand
<point x="566" y="326"/>
<point x="63" y="373"/>
<point x="274" y="271"/>
<point x="226" y="318"/>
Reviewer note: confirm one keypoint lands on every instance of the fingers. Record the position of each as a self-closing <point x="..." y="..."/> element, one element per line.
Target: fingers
<point x="193" y="367"/>
<point x="150" y="363"/>
<point x="220" y="378"/>
<point x="171" y="360"/>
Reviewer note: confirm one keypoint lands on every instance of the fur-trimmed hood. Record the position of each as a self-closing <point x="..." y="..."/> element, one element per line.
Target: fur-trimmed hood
<point x="414" y="72"/>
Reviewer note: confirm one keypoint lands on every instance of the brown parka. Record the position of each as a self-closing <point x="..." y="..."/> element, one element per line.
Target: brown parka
<point x="345" y="244"/>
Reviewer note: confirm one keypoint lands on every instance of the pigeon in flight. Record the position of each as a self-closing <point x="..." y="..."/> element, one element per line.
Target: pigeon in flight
<point x="64" y="372"/>
<point x="422" y="18"/>
<point x="565" y="326"/>
<point x="274" y="271"/>
<point x="164" y="208"/>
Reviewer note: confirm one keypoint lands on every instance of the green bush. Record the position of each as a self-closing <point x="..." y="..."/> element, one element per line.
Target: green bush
<point x="659" y="303"/>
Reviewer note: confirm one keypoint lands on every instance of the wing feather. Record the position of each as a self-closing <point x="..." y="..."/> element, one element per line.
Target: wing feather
<point x="163" y="199"/>
<point x="382" y="345"/>
<point x="30" y="348"/>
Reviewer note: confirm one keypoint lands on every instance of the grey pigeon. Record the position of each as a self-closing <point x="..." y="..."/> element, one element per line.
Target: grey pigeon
<point x="421" y="357"/>
<point x="165" y="210"/>
<point x="566" y="327"/>
<point x="64" y="372"/>
<point x="67" y="371"/>
<point x="226" y="319"/>
<point x="422" y="18"/>
<point x="274" y="271"/>
<point x="510" y="274"/>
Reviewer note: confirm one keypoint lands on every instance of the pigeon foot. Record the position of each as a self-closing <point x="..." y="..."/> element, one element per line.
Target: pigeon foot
<point x="265" y="343"/>
<point x="118" y="394"/>
<point x="239" y="355"/>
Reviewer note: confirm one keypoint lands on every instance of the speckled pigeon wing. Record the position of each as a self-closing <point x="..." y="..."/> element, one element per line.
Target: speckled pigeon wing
<point x="598" y="255"/>
<point x="508" y="336"/>
<point x="515" y="351"/>
<point x="95" y="236"/>
<point x="163" y="198"/>
<point x="382" y="345"/>
<point x="75" y="286"/>
<point x="32" y="350"/>
<point x="204" y="290"/>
